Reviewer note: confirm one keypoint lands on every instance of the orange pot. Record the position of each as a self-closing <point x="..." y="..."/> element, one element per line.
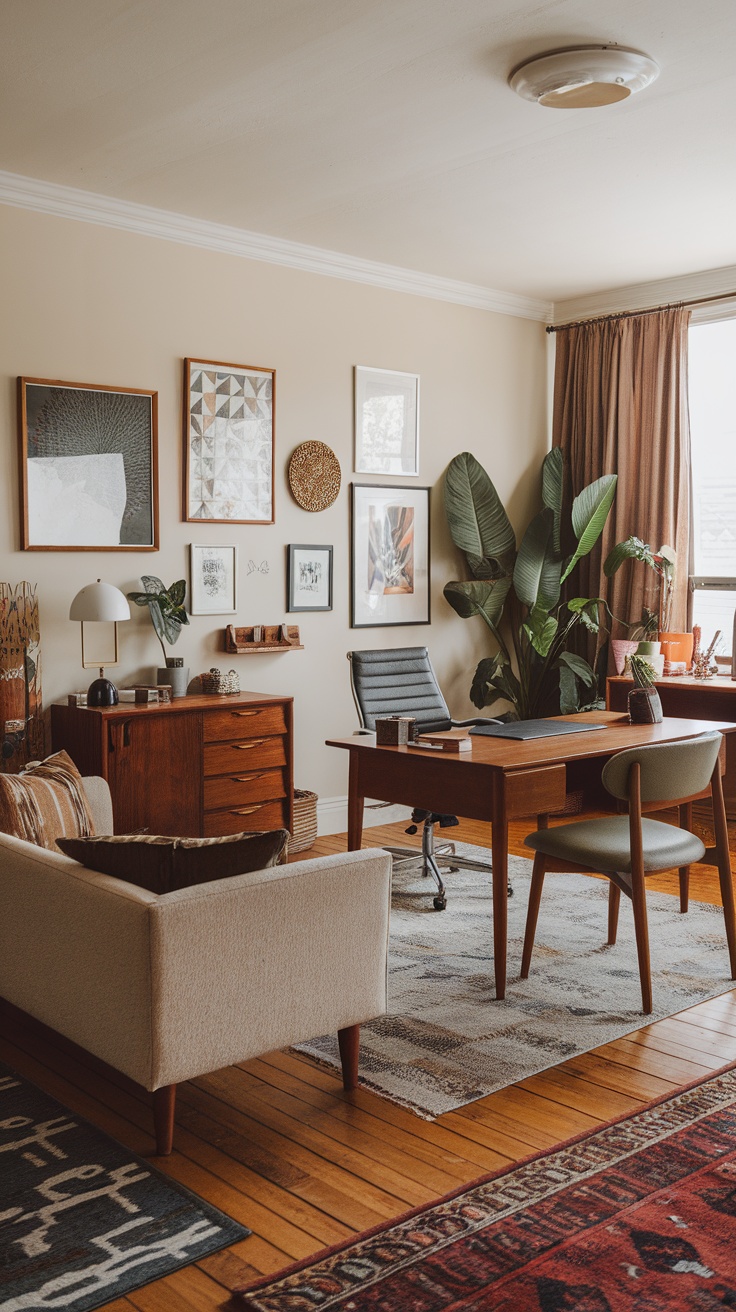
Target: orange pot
<point x="677" y="647"/>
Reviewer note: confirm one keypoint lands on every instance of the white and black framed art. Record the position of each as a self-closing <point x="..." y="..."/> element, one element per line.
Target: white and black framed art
<point x="308" y="577"/>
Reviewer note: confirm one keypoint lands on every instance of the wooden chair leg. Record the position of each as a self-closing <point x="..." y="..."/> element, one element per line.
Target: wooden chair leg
<point x="535" y="897"/>
<point x="614" y="902"/>
<point x="686" y="822"/>
<point x="349" y="1042"/>
<point x="724" y="865"/>
<point x="641" y="929"/>
<point x="164" y="1104"/>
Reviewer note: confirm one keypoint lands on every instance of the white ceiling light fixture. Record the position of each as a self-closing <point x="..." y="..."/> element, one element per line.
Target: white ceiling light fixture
<point x="583" y="77"/>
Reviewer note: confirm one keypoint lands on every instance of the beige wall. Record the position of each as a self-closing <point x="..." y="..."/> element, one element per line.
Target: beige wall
<point x="90" y="304"/>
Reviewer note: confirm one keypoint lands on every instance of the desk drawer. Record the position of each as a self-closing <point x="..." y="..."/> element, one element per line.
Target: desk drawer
<point x="240" y="757"/>
<point x="243" y="721"/>
<point x="237" y="819"/>
<point x="243" y="789"/>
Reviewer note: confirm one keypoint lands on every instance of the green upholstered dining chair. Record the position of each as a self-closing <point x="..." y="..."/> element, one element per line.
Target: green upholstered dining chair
<point x="628" y="848"/>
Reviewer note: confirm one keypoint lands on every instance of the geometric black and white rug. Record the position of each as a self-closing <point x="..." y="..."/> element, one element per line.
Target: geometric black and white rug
<point x="83" y="1220"/>
<point x="446" y="1041"/>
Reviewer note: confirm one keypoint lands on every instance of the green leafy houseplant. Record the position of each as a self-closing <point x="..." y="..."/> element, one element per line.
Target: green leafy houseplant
<point x="166" y="607"/>
<point x="535" y="671"/>
<point x="663" y="563"/>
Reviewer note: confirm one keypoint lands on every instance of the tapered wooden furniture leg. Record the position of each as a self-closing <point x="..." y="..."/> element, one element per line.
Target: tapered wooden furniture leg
<point x="614" y="902"/>
<point x="686" y="822"/>
<point x="355" y="806"/>
<point x="164" y="1103"/>
<point x="349" y="1042"/>
<point x="500" y="863"/>
<point x="638" y="895"/>
<point x="535" y="897"/>
<point x="724" y="864"/>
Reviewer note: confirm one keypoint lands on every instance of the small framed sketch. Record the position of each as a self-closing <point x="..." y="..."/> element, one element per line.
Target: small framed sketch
<point x="386" y="422"/>
<point x="214" y="579"/>
<point x="89" y="471"/>
<point x="390" y="556"/>
<point x="309" y="578"/>
<point x="228" y="443"/>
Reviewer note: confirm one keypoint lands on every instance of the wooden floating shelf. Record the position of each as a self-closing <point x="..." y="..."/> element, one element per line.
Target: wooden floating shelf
<point x="276" y="637"/>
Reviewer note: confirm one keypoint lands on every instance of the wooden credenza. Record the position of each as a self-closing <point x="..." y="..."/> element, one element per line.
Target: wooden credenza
<point x="200" y="766"/>
<point x="685" y="697"/>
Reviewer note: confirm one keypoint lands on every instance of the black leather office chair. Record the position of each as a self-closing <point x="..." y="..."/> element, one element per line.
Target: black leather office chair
<point x="401" y="681"/>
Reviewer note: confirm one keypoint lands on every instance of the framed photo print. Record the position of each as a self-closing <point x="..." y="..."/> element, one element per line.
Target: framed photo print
<point x="386" y="422"/>
<point x="89" y="467"/>
<point x="390" y="556"/>
<point x="213" y="572"/>
<point x="228" y="443"/>
<point x="309" y="578"/>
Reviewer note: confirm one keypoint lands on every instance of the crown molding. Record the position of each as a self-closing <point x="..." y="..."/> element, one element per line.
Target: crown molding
<point x="646" y="295"/>
<point x="89" y="207"/>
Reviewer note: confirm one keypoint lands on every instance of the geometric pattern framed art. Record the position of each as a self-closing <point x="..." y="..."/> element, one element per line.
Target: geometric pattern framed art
<point x="228" y="443"/>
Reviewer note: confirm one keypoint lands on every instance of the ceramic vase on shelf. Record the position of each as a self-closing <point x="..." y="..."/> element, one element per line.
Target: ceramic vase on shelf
<point x="621" y="648"/>
<point x="677" y="647"/>
<point x="175" y="674"/>
<point x="653" y="652"/>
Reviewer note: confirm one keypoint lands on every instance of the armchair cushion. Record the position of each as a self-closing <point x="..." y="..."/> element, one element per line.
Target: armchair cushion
<point x="44" y="802"/>
<point x="164" y="865"/>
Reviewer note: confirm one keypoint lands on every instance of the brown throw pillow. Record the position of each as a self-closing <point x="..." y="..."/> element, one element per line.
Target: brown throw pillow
<point x="163" y="865"/>
<point x="45" y="802"/>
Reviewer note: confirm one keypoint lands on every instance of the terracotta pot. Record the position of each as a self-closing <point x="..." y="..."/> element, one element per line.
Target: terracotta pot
<point x="677" y="647"/>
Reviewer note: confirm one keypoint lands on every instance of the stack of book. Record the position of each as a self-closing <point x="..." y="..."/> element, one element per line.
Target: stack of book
<point x="450" y="740"/>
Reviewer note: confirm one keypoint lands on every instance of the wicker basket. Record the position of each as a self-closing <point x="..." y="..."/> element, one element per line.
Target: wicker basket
<point x="304" y="830"/>
<point x="218" y="682"/>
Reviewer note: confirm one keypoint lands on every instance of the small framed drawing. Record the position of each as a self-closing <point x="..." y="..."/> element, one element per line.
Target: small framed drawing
<point x="309" y="578"/>
<point x="89" y="467"/>
<point x="390" y="556"/>
<point x="228" y="443"/>
<point x="214" y="579"/>
<point x="386" y="422"/>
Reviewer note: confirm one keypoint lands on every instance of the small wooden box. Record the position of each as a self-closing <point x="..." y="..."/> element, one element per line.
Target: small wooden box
<point x="394" y="730"/>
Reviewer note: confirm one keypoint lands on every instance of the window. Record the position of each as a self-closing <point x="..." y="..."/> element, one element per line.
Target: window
<point x="712" y="384"/>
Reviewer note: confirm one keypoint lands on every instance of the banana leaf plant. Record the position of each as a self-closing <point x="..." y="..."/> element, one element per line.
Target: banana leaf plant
<point x="166" y="607"/>
<point x="518" y="593"/>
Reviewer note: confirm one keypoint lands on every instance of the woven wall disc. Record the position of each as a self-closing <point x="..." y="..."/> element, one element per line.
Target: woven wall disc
<point x="314" y="475"/>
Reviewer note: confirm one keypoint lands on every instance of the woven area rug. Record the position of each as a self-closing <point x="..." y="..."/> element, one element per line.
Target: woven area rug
<point x="82" y="1220"/>
<point x="446" y="1041"/>
<point x="637" y="1217"/>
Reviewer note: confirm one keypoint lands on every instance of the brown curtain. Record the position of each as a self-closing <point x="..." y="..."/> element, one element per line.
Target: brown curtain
<point x="621" y="407"/>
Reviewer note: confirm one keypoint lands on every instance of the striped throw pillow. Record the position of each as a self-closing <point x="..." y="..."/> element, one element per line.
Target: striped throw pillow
<point x="44" y="802"/>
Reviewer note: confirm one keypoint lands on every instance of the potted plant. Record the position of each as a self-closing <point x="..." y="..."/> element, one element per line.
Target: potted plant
<point x="645" y="706"/>
<point x="534" y="670"/>
<point x="642" y="637"/>
<point x="675" y="646"/>
<point x="166" y="608"/>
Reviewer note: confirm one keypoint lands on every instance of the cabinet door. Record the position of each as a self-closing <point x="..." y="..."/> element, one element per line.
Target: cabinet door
<point x="155" y="773"/>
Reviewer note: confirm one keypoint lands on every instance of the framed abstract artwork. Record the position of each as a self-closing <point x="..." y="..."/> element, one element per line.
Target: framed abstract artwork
<point x="389" y="556"/>
<point x="213" y="574"/>
<point x="228" y="443"/>
<point x="89" y="467"/>
<point x="308" y="578"/>
<point x="386" y="422"/>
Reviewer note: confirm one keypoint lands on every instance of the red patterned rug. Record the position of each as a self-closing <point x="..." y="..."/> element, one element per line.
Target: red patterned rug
<point x="639" y="1216"/>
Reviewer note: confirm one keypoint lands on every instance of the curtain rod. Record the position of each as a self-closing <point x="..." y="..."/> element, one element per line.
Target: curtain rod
<point x="630" y="314"/>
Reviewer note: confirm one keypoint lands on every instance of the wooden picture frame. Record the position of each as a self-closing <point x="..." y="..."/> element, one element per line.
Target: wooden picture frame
<point x="308" y="577"/>
<point x="228" y="423"/>
<point x="386" y="423"/>
<point x="389" y="556"/>
<point x="213" y="579"/>
<point x="88" y="457"/>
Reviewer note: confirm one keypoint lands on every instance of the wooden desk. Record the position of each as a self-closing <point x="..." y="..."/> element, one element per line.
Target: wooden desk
<point x="686" y="697"/>
<point x="498" y="780"/>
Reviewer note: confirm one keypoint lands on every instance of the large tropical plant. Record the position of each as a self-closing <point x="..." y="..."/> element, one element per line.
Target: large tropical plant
<point x="518" y="594"/>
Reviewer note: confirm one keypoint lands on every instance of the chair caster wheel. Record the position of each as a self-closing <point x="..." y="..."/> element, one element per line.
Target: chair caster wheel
<point x="509" y="891"/>
<point x="439" y="903"/>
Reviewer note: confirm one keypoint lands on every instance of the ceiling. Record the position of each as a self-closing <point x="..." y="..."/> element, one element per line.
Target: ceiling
<point x="385" y="129"/>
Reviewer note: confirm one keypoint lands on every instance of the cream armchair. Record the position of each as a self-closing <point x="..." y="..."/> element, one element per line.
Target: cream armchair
<point x="164" y="988"/>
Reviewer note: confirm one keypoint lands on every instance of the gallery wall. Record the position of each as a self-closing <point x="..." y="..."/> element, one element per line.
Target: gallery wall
<point x="89" y="304"/>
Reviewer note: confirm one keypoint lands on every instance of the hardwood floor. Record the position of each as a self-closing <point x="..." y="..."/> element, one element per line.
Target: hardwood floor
<point x="277" y="1144"/>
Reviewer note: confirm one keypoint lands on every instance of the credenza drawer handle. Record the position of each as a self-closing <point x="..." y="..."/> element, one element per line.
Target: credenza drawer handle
<point x="246" y="810"/>
<point x="245" y="747"/>
<point x="248" y="778"/>
<point x="243" y="714"/>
